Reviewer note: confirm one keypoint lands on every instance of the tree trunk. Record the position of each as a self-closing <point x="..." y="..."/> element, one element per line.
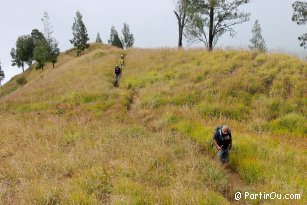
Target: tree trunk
<point x="52" y="64"/>
<point x="180" y="28"/>
<point x="211" y="15"/>
<point x="23" y="69"/>
<point x="180" y="36"/>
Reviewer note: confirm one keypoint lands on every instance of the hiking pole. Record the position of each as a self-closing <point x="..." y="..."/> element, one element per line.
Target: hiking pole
<point x="215" y="153"/>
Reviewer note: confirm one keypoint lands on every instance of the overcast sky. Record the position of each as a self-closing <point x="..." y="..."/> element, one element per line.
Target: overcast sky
<point x="152" y="23"/>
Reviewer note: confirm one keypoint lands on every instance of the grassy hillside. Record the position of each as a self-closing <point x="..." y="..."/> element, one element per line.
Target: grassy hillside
<point x="67" y="136"/>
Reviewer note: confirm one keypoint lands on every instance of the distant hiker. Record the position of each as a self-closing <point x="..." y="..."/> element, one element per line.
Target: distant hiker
<point x="223" y="142"/>
<point x="122" y="61"/>
<point x="117" y="72"/>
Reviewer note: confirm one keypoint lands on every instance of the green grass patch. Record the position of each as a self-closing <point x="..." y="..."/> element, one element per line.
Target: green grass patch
<point x="261" y="58"/>
<point x="78" y="98"/>
<point x="231" y="111"/>
<point x="133" y="132"/>
<point x="26" y="108"/>
<point x="195" y="131"/>
<point x="70" y="139"/>
<point x="289" y="124"/>
<point x="47" y="195"/>
<point x="134" y="82"/>
<point x="136" y="192"/>
<point x="251" y="170"/>
<point x="97" y="182"/>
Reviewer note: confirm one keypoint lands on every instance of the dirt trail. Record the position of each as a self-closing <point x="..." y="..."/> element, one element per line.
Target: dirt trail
<point x="235" y="184"/>
<point x="234" y="179"/>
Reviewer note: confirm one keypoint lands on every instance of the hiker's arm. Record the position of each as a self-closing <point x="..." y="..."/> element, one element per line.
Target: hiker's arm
<point x="216" y="145"/>
<point x="230" y="145"/>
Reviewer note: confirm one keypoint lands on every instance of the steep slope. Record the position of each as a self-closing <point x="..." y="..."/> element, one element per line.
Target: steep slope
<point x="69" y="137"/>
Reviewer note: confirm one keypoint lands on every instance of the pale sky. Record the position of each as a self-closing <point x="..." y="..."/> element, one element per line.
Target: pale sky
<point x="152" y="23"/>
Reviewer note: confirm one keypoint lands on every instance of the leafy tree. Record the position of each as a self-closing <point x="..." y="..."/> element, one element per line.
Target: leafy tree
<point x="98" y="39"/>
<point x="2" y="75"/>
<point x="42" y="53"/>
<point x="37" y="36"/>
<point x="300" y="17"/>
<point x="218" y="16"/>
<point x="181" y="11"/>
<point x="127" y="39"/>
<point x="23" y="52"/>
<point x="80" y="36"/>
<point x="52" y="42"/>
<point x="257" y="41"/>
<point x="16" y="61"/>
<point x="114" y="38"/>
<point x="54" y="52"/>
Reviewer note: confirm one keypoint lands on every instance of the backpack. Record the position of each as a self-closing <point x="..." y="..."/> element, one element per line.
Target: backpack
<point x="219" y="131"/>
<point x="117" y="71"/>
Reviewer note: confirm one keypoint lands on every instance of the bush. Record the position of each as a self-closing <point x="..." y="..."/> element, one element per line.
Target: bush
<point x="273" y="109"/>
<point x="21" y="80"/>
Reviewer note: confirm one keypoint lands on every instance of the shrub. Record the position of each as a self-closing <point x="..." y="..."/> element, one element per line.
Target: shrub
<point x="273" y="109"/>
<point x="21" y="80"/>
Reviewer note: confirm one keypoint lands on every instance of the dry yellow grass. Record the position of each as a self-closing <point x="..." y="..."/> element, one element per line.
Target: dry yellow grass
<point x="68" y="136"/>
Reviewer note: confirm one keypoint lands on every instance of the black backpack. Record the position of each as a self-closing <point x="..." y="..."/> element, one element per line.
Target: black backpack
<point x="219" y="131"/>
<point x="117" y="70"/>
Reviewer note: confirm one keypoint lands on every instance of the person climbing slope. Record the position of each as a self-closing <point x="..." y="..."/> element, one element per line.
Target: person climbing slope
<point x="222" y="140"/>
<point x="117" y="72"/>
<point x="122" y="61"/>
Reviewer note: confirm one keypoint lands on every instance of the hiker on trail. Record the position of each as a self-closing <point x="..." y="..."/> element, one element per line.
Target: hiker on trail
<point x="222" y="140"/>
<point x="122" y="60"/>
<point x="117" y="72"/>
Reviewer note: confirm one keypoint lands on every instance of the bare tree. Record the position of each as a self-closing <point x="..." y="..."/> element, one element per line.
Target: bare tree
<point x="181" y="15"/>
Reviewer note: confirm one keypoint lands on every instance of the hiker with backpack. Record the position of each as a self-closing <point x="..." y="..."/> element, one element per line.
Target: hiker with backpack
<point x="222" y="141"/>
<point x="117" y="72"/>
<point x="122" y="61"/>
